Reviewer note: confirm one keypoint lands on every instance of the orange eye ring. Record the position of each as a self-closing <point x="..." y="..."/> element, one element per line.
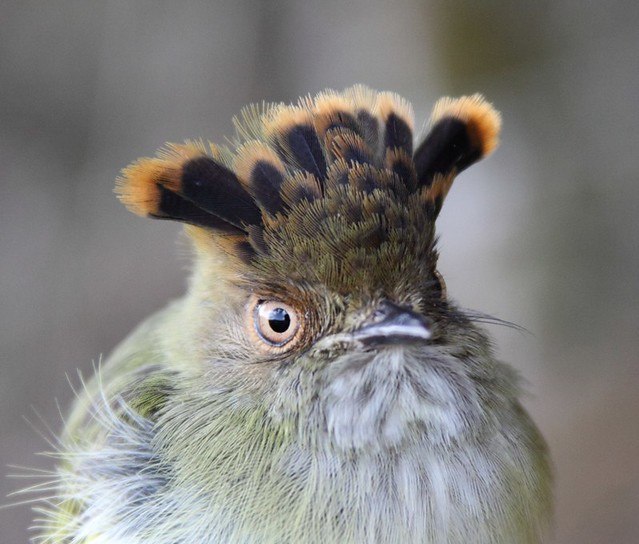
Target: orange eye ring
<point x="276" y="323"/>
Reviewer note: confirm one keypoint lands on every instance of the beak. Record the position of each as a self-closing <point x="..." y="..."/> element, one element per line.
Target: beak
<point x="393" y="324"/>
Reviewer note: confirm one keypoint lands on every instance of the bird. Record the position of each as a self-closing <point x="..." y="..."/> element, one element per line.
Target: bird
<point x="316" y="383"/>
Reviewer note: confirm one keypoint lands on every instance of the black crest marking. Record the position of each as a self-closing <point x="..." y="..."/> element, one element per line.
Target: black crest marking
<point x="216" y="189"/>
<point x="369" y="129"/>
<point x="266" y="181"/>
<point x="402" y="166"/>
<point x="349" y="146"/>
<point x="341" y="119"/>
<point x="446" y="147"/>
<point x="364" y="178"/>
<point x="338" y="174"/>
<point x="398" y="134"/>
<point x="301" y="188"/>
<point x="244" y="250"/>
<point x="175" y="207"/>
<point x="301" y="144"/>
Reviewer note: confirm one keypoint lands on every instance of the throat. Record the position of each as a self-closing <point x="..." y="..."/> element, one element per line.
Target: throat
<point x="395" y="398"/>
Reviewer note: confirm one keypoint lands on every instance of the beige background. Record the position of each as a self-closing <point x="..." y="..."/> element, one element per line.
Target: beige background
<point x="544" y="233"/>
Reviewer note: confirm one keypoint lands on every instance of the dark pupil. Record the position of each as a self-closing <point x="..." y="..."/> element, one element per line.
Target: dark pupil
<point x="279" y="320"/>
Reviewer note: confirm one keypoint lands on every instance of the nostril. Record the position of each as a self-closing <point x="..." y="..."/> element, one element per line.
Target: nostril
<point x="410" y="319"/>
<point x="390" y="310"/>
<point x="378" y="315"/>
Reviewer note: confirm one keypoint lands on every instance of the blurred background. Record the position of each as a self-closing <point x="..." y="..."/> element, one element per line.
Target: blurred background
<point x="544" y="233"/>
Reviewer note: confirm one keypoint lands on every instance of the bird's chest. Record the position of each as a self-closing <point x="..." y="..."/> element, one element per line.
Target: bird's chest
<point x="247" y="491"/>
<point x="413" y="496"/>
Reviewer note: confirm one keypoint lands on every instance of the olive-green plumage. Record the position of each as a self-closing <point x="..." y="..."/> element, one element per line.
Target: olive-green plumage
<point x="315" y="384"/>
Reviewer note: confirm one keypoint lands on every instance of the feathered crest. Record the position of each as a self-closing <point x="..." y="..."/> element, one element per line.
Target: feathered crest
<point x="339" y="159"/>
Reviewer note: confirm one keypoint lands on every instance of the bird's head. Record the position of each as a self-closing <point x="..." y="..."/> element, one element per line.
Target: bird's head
<point x="316" y="292"/>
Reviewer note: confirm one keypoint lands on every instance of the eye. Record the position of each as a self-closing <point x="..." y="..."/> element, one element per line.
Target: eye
<point x="276" y="322"/>
<point x="439" y="285"/>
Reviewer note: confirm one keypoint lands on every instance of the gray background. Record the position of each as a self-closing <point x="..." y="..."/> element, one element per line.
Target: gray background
<point x="544" y="233"/>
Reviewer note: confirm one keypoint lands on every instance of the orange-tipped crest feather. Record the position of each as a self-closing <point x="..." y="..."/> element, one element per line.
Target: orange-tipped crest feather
<point x="389" y="103"/>
<point x="252" y="152"/>
<point x="298" y="171"/>
<point x="137" y="187"/>
<point x="482" y="120"/>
